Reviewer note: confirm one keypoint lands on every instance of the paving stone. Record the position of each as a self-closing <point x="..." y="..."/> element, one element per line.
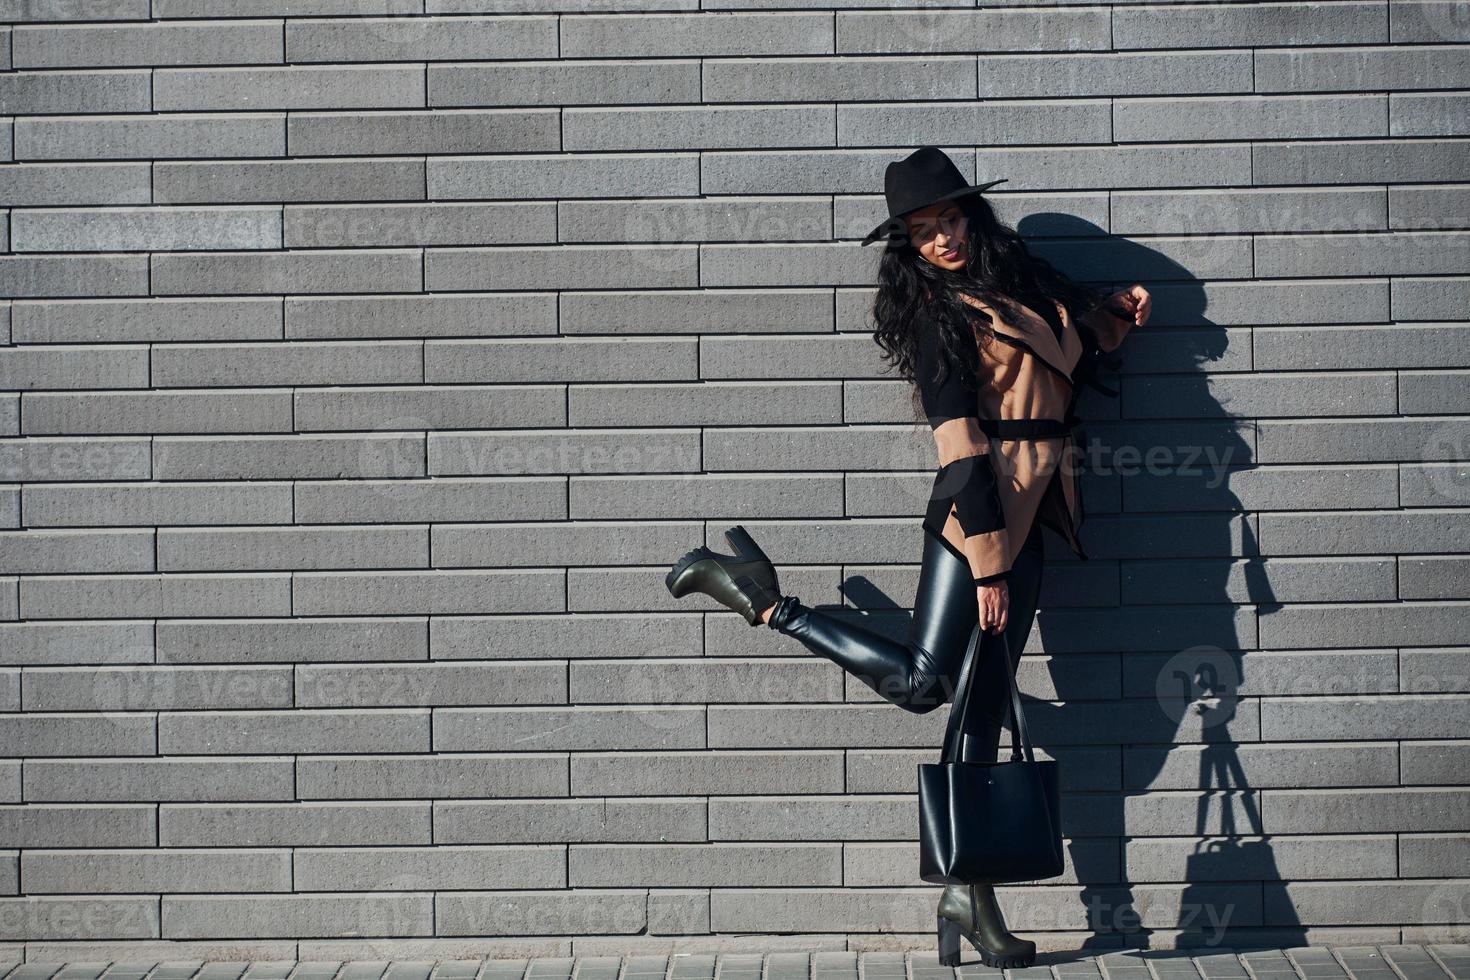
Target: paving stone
<point x="1454" y="958"/>
<point x="175" y="970"/>
<point x="364" y="970"/>
<point x="227" y="971"/>
<point x="39" y="970"/>
<point x="269" y="970"/>
<point x="599" y="967"/>
<point x="1224" y="966"/>
<point x="456" y="970"/>
<point x="82" y="971"/>
<point x="788" y="966"/>
<point x="509" y="969"/>
<point x="833" y="965"/>
<point x="316" y="970"/>
<point x="1413" y="962"/>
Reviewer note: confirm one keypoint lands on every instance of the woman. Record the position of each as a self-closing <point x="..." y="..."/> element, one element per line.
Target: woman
<point x="996" y="343"/>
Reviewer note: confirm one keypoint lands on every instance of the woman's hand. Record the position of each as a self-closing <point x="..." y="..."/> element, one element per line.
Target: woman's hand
<point x="995" y="602"/>
<point x="1136" y="300"/>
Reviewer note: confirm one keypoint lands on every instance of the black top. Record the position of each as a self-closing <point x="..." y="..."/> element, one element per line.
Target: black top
<point x="969" y="482"/>
<point x="1044" y="308"/>
<point x="954" y="397"/>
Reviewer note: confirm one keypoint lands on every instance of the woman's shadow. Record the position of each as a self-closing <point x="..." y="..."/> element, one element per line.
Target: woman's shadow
<point x="1145" y="642"/>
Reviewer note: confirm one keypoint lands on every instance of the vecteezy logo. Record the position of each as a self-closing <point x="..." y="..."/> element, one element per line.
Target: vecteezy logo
<point x="394" y="450"/>
<point x="1447" y="461"/>
<point x="1203" y="681"/>
<point x="396" y="22"/>
<point x="1445" y="21"/>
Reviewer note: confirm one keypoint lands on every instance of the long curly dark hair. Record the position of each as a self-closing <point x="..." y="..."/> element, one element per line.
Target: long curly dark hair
<point x="1001" y="272"/>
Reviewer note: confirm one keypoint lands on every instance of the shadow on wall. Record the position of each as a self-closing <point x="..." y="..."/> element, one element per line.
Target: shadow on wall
<point x="1147" y="637"/>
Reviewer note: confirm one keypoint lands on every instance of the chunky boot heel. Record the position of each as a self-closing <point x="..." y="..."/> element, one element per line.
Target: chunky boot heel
<point x="949" y="942"/>
<point x="745" y="582"/>
<point x="745" y="547"/>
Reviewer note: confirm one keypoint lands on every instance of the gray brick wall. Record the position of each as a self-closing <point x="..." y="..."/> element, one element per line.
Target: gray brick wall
<point x="367" y="362"/>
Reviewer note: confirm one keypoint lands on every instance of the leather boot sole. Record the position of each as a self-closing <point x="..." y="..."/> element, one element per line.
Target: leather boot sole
<point x="950" y="932"/>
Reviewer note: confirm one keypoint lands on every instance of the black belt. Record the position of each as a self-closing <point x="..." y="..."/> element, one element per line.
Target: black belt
<point x="1011" y="430"/>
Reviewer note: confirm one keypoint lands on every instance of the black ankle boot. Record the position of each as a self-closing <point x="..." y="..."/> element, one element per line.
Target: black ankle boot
<point x="745" y="582"/>
<point x="971" y="911"/>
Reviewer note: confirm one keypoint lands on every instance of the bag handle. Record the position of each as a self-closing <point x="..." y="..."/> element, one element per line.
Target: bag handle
<point x="953" y="732"/>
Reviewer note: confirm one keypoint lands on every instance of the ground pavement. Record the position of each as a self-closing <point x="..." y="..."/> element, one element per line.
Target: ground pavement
<point x="1397" y="962"/>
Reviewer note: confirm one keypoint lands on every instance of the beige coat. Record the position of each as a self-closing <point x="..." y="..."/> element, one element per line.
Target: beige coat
<point x="1025" y="374"/>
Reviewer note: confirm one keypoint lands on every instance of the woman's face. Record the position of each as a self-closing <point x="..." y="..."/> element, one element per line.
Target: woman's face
<point x="938" y="232"/>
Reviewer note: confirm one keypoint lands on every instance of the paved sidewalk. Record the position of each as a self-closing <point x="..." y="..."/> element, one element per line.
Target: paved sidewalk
<point x="1449" y="961"/>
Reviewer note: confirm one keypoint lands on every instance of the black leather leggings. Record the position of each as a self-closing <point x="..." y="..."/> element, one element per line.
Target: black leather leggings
<point x="921" y="673"/>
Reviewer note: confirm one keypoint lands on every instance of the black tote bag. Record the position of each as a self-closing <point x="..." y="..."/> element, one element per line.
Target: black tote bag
<point x="988" y="822"/>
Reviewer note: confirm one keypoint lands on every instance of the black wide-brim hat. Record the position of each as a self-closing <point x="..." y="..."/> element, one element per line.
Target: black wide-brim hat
<point x="924" y="177"/>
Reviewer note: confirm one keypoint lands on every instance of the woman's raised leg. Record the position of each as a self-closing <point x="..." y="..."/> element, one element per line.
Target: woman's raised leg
<point x="919" y="673"/>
